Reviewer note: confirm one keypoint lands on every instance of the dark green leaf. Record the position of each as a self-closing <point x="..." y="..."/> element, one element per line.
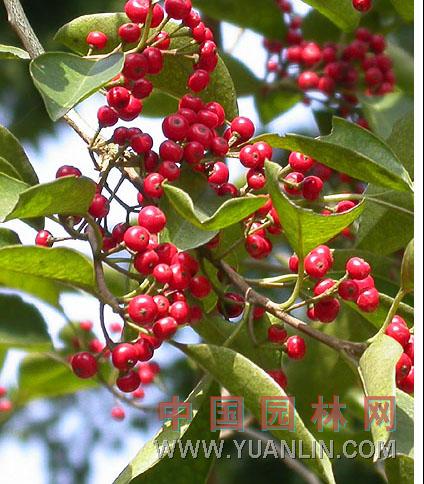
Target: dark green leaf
<point x="245" y="81"/>
<point x="401" y="140"/>
<point x="21" y="325"/>
<point x="272" y="104"/>
<point x="12" y="151"/>
<point x="408" y="268"/>
<point x="243" y="378"/>
<point x="403" y="66"/>
<point x="324" y="120"/>
<point x="64" y="80"/>
<point x="8" y="237"/>
<point x="58" y="265"/>
<point x="147" y="467"/>
<point x="12" y="52"/>
<point x="405" y="8"/>
<point x="43" y="377"/>
<point x="317" y="27"/>
<point x="352" y="150"/>
<point x="386" y="212"/>
<point x="377" y="368"/>
<point x="404" y="424"/>
<point x="400" y="469"/>
<point x="64" y="196"/>
<point x="159" y="105"/>
<point x="383" y="112"/>
<point x="340" y="12"/>
<point x="263" y="17"/>
<point x="305" y="229"/>
<point x="208" y="212"/>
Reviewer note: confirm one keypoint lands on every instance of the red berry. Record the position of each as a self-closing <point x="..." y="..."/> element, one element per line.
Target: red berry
<point x="308" y="80"/>
<point x="407" y="384"/>
<point x="178" y="9"/>
<point x="153" y="185"/>
<point x="124" y="356"/>
<point x="279" y="377"/>
<point x="146" y="261"/>
<point x="154" y="59"/>
<point x="200" y="287"/>
<point x="162" y="273"/>
<point x="292" y="183"/>
<point x="117" y="413"/>
<point x="400" y="333"/>
<point x="3" y="391"/>
<point x="152" y="218"/>
<point x="146" y="373"/>
<point x="349" y="290"/>
<point x="220" y="173"/>
<point x="300" y="162"/>
<point x="84" y="365"/>
<point x="327" y="311"/>
<point x="231" y="309"/>
<point x="311" y="54"/>
<point x="200" y="133"/>
<point x="187" y="261"/>
<point x="277" y="334"/>
<point x="144" y="349"/>
<point x="325" y="252"/>
<point x="171" y="151"/>
<point x="265" y="150"/>
<point x="250" y="157"/>
<point x="163" y="40"/>
<point x="257" y="246"/>
<point x="403" y="367"/>
<point x="137" y="10"/>
<point x="107" y="116"/>
<point x="175" y="127"/>
<point x="345" y="206"/>
<point x="181" y="277"/>
<point x="312" y="187"/>
<point x="141" y="143"/>
<point x="316" y="265"/>
<point x="208" y="118"/>
<point x="118" y="97"/>
<point x="165" y="328"/>
<point x="219" y="146"/>
<point x="362" y="5"/>
<point x="199" y="80"/>
<point x="323" y="286"/>
<point x="129" y="382"/>
<point x="44" y="238"/>
<point x="369" y="300"/>
<point x="135" y="67"/>
<point x="296" y="347"/>
<point x="138" y="394"/>
<point x="294" y="263"/>
<point x="137" y="238"/>
<point x="166" y="251"/>
<point x="358" y="268"/>
<point x="142" y="309"/>
<point x="129" y="33"/>
<point x="244" y="127"/>
<point x="97" y="40"/>
<point x="180" y="311"/>
<point x="99" y="207"/>
<point x="191" y="102"/>
<point x="118" y="232"/>
<point x="409" y="350"/>
<point x="5" y="406"/>
<point x="67" y="170"/>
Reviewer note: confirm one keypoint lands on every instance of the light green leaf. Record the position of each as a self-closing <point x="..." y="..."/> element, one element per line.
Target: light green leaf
<point x="159" y="105"/>
<point x="305" y="229"/>
<point x="340" y="12"/>
<point x="405" y="8"/>
<point x="64" y="196"/>
<point x="8" y="237"/>
<point x="8" y="169"/>
<point x="208" y="212"/>
<point x="12" y="52"/>
<point x="243" y="378"/>
<point x="64" y="80"/>
<point x="10" y="189"/>
<point x="401" y="140"/>
<point x="377" y="370"/>
<point x="43" y="377"/>
<point x="58" y="265"/>
<point x="404" y="434"/>
<point x="408" y="268"/>
<point x="173" y="78"/>
<point x="399" y="469"/>
<point x="352" y="150"/>
<point x="403" y="66"/>
<point x="147" y="467"/>
<point x="272" y="104"/>
<point x="21" y="325"/>
<point x="12" y="151"/>
<point x="383" y="112"/>
<point x="263" y="17"/>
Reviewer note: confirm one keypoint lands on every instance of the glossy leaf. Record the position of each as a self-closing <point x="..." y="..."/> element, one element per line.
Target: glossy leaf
<point x="209" y="214"/>
<point x="408" y="268"/>
<point x="8" y="237"/>
<point x="64" y="196"/>
<point x="57" y="265"/>
<point x="275" y="103"/>
<point x="12" y="52"/>
<point x="243" y="378"/>
<point x="377" y="370"/>
<point x="352" y="150"/>
<point x="340" y="12"/>
<point x="21" y="325"/>
<point x="401" y="140"/>
<point x="147" y="467"/>
<point x="405" y="8"/>
<point x="12" y="151"/>
<point x="304" y="228"/>
<point x="173" y="78"/>
<point x="64" y="80"/>
<point x="263" y="17"/>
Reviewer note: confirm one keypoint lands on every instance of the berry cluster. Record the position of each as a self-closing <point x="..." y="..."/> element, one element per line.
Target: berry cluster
<point x="126" y="92"/>
<point x="338" y="72"/>
<point x="399" y="331"/>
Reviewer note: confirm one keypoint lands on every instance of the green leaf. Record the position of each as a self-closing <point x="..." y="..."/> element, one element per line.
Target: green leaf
<point x="377" y="368"/>
<point x="404" y="424"/>
<point x="305" y="229"/>
<point x="12" y="52"/>
<point x="159" y="105"/>
<point x="10" y="189"/>
<point x="64" y="196"/>
<point x="399" y="469"/>
<point x="43" y="377"/>
<point x="352" y="150"/>
<point x="8" y="169"/>
<point x="173" y="78"/>
<point x="405" y="8"/>
<point x="401" y="140"/>
<point x="64" y="80"/>
<point x="147" y="467"/>
<point x="57" y="265"/>
<point x="387" y="210"/>
<point x="319" y="28"/>
<point x="383" y="112"/>
<point x="272" y="104"/>
<point x="206" y="211"/>
<point x="245" y="81"/>
<point x="21" y="325"/>
<point x="340" y="12"/>
<point x="263" y="17"/>
<point x="8" y="237"/>
<point x="403" y="66"/>
<point x="12" y="151"/>
<point x="243" y="378"/>
<point x="408" y="268"/>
